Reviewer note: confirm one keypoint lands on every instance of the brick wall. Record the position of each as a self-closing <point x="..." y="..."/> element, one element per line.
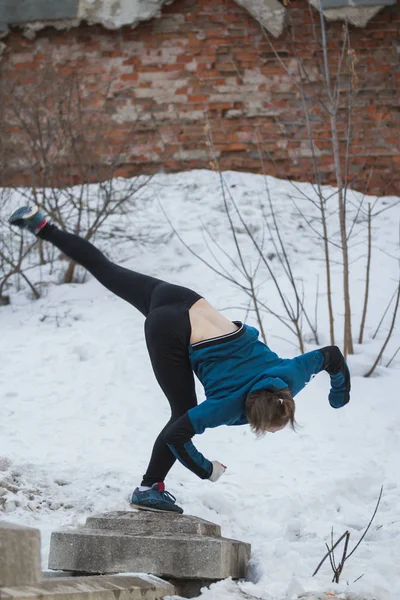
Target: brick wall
<point x="207" y="63"/>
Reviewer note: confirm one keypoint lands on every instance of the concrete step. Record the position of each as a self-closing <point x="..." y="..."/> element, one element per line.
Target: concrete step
<point x="146" y="523"/>
<point x="122" y="587"/>
<point x="19" y="555"/>
<point x="169" y="546"/>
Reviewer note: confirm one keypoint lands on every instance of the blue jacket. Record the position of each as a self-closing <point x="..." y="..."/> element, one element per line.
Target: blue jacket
<point x="231" y="370"/>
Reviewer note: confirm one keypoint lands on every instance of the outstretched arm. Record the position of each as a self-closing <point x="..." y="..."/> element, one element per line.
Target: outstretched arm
<point x="178" y="438"/>
<point x="335" y="364"/>
<point x="179" y="435"/>
<point x="331" y="360"/>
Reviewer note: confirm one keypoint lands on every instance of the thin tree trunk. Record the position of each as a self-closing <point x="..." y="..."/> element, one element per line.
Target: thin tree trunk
<point x="348" y="338"/>
<point x="42" y="260"/>
<point x="328" y="274"/>
<point x="69" y="273"/>
<point x="258" y="314"/>
<point x="299" y="335"/>
<point x="333" y="106"/>
<point x="367" y="279"/>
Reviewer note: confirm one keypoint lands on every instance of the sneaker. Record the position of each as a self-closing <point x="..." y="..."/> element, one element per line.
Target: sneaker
<point x="28" y="217"/>
<point x="155" y="499"/>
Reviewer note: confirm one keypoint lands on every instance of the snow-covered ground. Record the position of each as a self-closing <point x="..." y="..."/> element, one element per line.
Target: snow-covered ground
<point x="80" y="407"/>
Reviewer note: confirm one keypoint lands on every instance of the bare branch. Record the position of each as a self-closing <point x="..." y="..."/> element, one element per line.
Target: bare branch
<point x="367" y="277"/>
<point x="393" y="357"/>
<point x="335" y="545"/>
<point x="389" y="335"/>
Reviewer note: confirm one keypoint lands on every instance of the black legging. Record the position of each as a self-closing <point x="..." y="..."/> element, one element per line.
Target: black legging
<point x="167" y="330"/>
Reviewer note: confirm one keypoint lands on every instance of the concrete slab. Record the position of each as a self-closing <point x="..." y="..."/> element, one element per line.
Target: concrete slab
<point x="19" y="555"/>
<point x="148" y="523"/>
<point x="170" y="546"/>
<point x="121" y="587"/>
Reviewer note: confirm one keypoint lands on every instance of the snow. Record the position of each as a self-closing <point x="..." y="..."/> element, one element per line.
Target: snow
<point x="81" y="408"/>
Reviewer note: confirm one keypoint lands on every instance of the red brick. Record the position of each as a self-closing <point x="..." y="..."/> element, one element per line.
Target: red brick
<point x="184" y="58"/>
<point x="132" y="61"/>
<point x="129" y="77"/>
<point x="24" y="66"/>
<point x="199" y="98"/>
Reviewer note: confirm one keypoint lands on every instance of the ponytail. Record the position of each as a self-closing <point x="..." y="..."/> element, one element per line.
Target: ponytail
<point x="266" y="409"/>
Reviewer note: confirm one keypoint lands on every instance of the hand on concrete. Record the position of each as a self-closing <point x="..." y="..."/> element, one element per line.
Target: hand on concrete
<point x="218" y="470"/>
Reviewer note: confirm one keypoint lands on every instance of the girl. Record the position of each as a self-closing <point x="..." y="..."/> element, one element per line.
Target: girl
<point x="244" y="381"/>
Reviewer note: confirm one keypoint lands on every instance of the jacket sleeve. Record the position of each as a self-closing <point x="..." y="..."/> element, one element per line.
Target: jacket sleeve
<point x="305" y="367"/>
<point x="331" y="360"/>
<point x="335" y="364"/>
<point x="178" y="436"/>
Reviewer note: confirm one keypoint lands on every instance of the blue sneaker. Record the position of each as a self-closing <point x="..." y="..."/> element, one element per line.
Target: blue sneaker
<point x="28" y="217"/>
<point x="155" y="499"/>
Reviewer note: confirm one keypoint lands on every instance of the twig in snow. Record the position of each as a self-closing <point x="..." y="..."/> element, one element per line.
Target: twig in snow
<point x="330" y="550"/>
<point x="337" y="569"/>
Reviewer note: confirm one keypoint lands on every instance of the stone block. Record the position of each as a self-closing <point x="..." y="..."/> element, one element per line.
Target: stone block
<point x="123" y="587"/>
<point x="169" y="546"/>
<point x="19" y="555"/>
<point x="147" y="523"/>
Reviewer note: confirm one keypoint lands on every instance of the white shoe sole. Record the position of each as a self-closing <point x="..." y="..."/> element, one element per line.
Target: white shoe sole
<point x="33" y="211"/>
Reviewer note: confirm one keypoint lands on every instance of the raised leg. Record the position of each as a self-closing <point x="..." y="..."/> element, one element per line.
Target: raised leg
<point x="135" y="288"/>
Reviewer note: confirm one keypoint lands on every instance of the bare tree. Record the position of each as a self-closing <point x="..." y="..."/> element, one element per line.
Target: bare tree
<point x="327" y="101"/>
<point x="328" y="90"/>
<point x="325" y="95"/>
<point x="63" y="146"/>
<point x="239" y="271"/>
<point x="13" y="252"/>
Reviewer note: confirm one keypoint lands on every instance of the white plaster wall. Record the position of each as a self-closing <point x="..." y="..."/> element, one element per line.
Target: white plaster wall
<point x="116" y="13"/>
<point x="357" y="16"/>
<point x="110" y="13"/>
<point x="270" y="13"/>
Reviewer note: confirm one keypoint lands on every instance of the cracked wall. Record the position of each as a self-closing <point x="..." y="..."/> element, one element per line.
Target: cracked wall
<point x="208" y="61"/>
<point x="114" y="14"/>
